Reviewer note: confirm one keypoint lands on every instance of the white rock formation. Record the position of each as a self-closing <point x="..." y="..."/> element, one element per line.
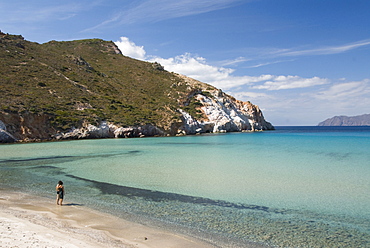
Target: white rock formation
<point x="108" y="130"/>
<point x="223" y="113"/>
<point x="220" y="113"/>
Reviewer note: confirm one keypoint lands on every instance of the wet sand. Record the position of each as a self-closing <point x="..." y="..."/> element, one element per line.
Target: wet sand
<point x="28" y="221"/>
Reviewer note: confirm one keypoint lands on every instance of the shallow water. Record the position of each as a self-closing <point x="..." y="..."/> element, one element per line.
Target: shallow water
<point x="296" y="187"/>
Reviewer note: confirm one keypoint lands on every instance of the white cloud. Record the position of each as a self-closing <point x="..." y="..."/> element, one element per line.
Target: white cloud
<point x="269" y="63"/>
<point x="187" y="64"/>
<point x="159" y="10"/>
<point x="195" y="67"/>
<point x="29" y="13"/>
<point x="250" y="95"/>
<point x="234" y="61"/>
<point x="357" y="90"/>
<point x="322" y="50"/>
<point x="130" y="49"/>
<point x="234" y="81"/>
<point x="190" y="65"/>
<point x="284" y="99"/>
<point x="291" y="82"/>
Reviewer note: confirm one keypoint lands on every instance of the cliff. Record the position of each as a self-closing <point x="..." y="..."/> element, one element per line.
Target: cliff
<point x="88" y="89"/>
<point x="359" y="120"/>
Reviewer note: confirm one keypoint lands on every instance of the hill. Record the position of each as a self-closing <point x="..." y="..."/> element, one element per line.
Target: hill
<point x="88" y="89"/>
<point x="360" y="120"/>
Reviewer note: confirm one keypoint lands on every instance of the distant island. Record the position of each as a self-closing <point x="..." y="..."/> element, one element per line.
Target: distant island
<point x="359" y="120"/>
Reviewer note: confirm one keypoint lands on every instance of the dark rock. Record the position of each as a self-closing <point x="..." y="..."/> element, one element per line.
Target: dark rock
<point x="158" y="66"/>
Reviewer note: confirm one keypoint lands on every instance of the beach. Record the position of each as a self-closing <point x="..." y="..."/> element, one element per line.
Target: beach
<point x="306" y="188"/>
<point x="29" y="221"/>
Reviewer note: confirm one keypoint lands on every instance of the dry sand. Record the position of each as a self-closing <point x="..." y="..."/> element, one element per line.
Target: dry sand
<point x="27" y="221"/>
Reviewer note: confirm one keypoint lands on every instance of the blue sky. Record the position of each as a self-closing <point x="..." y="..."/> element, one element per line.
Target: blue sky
<point x="301" y="61"/>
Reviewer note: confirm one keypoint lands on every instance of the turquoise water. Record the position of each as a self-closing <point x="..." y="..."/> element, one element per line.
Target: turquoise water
<point x="294" y="187"/>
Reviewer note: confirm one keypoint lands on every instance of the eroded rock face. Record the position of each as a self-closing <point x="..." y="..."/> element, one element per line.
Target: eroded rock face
<point x="222" y="113"/>
<point x="5" y="137"/>
<point x="109" y="130"/>
<point x="26" y="127"/>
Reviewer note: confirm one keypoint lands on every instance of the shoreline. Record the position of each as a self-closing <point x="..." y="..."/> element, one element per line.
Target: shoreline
<point x="26" y="220"/>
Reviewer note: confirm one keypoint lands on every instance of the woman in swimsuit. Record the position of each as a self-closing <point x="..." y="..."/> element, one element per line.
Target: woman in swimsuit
<point x="60" y="192"/>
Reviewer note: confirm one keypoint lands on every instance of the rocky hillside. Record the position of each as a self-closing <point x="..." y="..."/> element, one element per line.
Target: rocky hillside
<point x="359" y="120"/>
<point x="88" y="89"/>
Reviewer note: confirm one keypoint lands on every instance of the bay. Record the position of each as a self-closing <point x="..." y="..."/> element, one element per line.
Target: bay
<point x="296" y="186"/>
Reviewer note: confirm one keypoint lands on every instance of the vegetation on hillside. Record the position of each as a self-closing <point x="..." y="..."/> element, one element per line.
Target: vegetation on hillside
<point x="87" y="80"/>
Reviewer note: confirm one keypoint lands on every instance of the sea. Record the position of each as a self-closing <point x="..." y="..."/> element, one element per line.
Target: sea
<point x="291" y="187"/>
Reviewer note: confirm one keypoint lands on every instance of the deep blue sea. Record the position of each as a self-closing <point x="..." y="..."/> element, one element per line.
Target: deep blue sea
<point x="292" y="187"/>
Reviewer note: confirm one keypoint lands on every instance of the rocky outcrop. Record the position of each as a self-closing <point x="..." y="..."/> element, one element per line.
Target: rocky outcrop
<point x="108" y="130"/>
<point x="222" y="113"/>
<point x="5" y="137"/>
<point x="216" y="112"/>
<point x="359" y="120"/>
<point x="25" y="127"/>
<point x="28" y="127"/>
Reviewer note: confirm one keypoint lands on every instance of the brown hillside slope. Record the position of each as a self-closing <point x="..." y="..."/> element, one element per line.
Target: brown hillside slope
<point x="54" y="87"/>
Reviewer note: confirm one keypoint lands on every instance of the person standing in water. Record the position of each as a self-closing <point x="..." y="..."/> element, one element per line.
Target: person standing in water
<point x="60" y="193"/>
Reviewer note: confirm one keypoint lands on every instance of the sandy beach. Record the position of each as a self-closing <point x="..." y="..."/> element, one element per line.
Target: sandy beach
<point x="28" y="221"/>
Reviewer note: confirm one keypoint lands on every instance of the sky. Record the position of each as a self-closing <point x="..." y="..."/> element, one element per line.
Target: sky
<point x="300" y="61"/>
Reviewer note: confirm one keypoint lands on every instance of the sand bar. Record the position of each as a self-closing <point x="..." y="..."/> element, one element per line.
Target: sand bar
<point x="28" y="221"/>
